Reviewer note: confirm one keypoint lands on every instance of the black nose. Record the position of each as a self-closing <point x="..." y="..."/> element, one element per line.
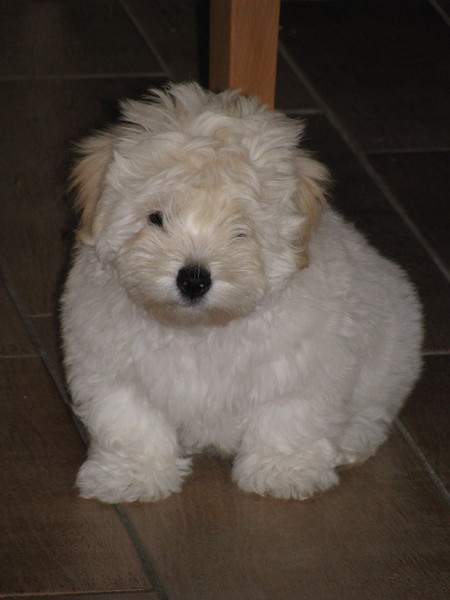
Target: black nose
<point x="193" y="281"/>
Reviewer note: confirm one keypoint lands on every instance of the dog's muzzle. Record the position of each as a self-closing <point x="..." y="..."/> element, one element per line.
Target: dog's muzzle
<point x="193" y="281"/>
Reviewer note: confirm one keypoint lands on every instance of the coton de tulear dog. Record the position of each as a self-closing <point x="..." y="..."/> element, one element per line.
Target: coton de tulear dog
<point x="215" y="301"/>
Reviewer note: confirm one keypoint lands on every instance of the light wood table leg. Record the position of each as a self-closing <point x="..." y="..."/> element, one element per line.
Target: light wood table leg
<point x="243" y="46"/>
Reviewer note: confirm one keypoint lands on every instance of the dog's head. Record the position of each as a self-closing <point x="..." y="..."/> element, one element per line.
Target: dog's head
<point x="201" y="202"/>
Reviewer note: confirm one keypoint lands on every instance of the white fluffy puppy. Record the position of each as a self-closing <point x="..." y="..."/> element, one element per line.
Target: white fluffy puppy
<point x="208" y="307"/>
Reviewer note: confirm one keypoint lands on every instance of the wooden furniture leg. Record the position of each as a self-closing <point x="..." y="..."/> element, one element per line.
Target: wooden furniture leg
<point x="243" y="46"/>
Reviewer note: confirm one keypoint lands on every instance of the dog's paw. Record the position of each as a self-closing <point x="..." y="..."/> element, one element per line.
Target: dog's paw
<point x="115" y="480"/>
<point x="282" y="477"/>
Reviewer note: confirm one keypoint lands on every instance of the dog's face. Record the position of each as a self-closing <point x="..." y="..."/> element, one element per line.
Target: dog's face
<point x="193" y="255"/>
<point x="200" y="202"/>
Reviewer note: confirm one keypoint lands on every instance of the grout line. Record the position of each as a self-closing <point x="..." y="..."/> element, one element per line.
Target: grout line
<point x="300" y="111"/>
<point x="89" y="594"/>
<point x="12" y="356"/>
<point x="440" y="11"/>
<point x="42" y="354"/>
<point x="435" y="150"/>
<point x="168" y="72"/>
<point x="422" y="460"/>
<point x="85" y="76"/>
<point x="365" y="163"/>
<point x="150" y="572"/>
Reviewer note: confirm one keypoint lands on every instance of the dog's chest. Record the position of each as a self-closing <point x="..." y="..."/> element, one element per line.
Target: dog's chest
<point x="227" y="369"/>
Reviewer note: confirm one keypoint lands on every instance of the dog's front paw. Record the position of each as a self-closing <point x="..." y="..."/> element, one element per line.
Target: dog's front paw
<point x="282" y="477"/>
<point x="113" y="479"/>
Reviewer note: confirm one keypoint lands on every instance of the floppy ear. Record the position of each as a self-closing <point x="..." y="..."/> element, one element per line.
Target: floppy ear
<point x="95" y="154"/>
<point x="313" y="179"/>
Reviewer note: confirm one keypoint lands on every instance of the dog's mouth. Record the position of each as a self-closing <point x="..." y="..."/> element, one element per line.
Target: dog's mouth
<point x="188" y="313"/>
<point x="191" y="303"/>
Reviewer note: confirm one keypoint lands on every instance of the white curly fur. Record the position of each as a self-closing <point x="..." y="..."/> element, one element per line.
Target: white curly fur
<point x="297" y="358"/>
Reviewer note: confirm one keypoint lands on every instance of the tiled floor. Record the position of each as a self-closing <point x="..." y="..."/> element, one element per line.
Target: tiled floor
<point x="371" y="79"/>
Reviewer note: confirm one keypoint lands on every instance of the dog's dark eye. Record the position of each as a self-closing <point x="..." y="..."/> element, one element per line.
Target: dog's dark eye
<point x="240" y="234"/>
<point x="156" y="218"/>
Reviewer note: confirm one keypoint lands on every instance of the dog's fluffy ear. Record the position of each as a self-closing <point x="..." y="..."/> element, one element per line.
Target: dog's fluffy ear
<point x="313" y="180"/>
<point x="95" y="154"/>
